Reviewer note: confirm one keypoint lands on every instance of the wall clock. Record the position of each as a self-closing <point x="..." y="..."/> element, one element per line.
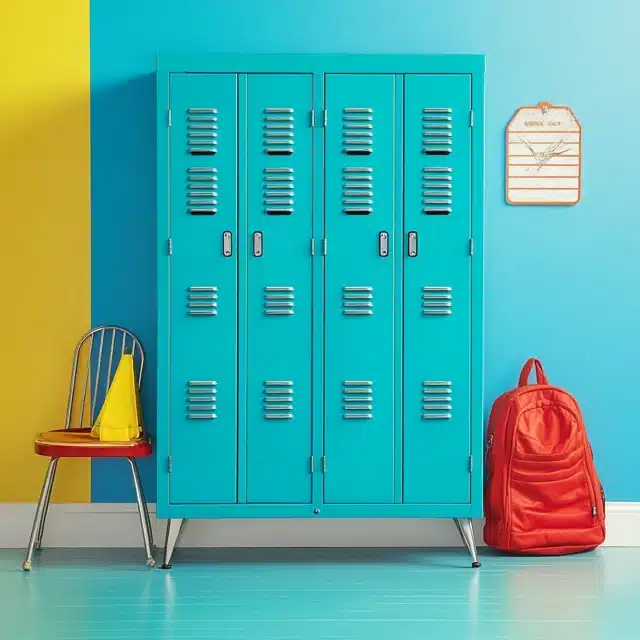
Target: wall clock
<point x="544" y="156"/>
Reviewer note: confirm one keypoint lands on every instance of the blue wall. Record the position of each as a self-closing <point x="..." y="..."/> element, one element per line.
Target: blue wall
<point x="561" y="283"/>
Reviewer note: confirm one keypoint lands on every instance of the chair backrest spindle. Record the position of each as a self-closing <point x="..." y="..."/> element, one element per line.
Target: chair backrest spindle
<point x="94" y="343"/>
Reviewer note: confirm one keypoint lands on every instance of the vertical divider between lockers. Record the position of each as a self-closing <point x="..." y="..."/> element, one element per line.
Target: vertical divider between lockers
<point x="163" y="416"/>
<point x="398" y="293"/>
<point x="241" y="248"/>
<point x="318" y="400"/>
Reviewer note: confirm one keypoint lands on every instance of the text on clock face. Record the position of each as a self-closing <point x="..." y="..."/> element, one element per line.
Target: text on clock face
<point x="541" y="123"/>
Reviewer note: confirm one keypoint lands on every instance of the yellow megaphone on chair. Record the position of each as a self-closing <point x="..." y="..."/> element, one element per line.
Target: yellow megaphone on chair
<point x="120" y="419"/>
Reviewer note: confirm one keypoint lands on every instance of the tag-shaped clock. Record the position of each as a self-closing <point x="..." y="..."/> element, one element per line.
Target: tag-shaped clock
<point x="544" y="156"/>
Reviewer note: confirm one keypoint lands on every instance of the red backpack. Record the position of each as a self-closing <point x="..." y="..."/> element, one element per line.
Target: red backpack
<point x="542" y="494"/>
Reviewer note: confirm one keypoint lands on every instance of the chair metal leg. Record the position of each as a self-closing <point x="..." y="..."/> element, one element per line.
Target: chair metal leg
<point x="465" y="528"/>
<point x="40" y="509"/>
<point x="175" y="527"/>
<point x="146" y="509"/>
<point x="54" y="461"/>
<point x="142" y="510"/>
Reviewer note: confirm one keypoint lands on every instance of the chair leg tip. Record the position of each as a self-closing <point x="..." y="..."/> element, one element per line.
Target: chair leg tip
<point x="166" y="566"/>
<point x="476" y="565"/>
<point x="151" y="562"/>
<point x="26" y="565"/>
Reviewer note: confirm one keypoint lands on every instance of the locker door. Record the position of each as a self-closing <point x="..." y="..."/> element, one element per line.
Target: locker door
<point x="437" y="289"/>
<point x="279" y="287"/>
<point x="203" y="288"/>
<point x="359" y="289"/>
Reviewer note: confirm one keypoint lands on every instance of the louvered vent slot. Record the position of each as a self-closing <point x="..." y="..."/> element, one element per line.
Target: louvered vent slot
<point x="278" y="399"/>
<point x="436" y="400"/>
<point x="202" y="301"/>
<point x="357" y="134"/>
<point x="357" y="301"/>
<point x="436" y="301"/>
<point x="202" y="131"/>
<point x="279" y="131"/>
<point x="437" y="131"/>
<point x="437" y="191"/>
<point x="357" y="397"/>
<point x="202" y="191"/>
<point x="357" y="191"/>
<point x="201" y="399"/>
<point x="279" y="301"/>
<point x="279" y="191"/>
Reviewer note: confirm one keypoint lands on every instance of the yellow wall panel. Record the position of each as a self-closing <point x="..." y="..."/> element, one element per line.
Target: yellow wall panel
<point x="45" y="221"/>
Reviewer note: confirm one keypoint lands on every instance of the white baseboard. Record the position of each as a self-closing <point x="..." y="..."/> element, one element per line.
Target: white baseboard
<point x="117" y="525"/>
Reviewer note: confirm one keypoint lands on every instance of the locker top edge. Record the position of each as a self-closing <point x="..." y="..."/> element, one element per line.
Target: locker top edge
<point x="321" y="63"/>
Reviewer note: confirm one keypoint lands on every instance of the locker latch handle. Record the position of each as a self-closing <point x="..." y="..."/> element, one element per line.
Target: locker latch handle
<point x="226" y="244"/>
<point x="257" y="244"/>
<point x="383" y="244"/>
<point x="413" y="244"/>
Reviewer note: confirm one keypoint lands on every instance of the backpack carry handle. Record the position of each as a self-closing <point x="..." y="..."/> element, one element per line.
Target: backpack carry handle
<point x="541" y="378"/>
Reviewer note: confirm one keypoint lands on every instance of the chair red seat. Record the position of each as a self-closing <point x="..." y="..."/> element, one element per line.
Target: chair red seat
<point x="78" y="443"/>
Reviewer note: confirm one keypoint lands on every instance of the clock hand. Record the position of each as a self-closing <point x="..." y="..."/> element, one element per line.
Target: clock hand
<point x="526" y="144"/>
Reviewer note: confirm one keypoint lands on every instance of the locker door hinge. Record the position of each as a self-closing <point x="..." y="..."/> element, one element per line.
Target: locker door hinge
<point x="471" y="118"/>
<point x="313" y="118"/>
<point x="169" y="118"/>
<point x="324" y="464"/>
<point x="470" y="464"/>
<point x="313" y="246"/>
<point x="471" y="246"/>
<point x="169" y="247"/>
<point x="324" y="246"/>
<point x="324" y="117"/>
<point x="312" y="465"/>
<point x="169" y="465"/>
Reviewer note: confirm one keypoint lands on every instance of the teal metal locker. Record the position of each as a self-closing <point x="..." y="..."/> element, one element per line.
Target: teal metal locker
<point x="278" y="355"/>
<point x="437" y="289"/>
<point x="203" y="288"/>
<point x="359" y="288"/>
<point x="320" y="287"/>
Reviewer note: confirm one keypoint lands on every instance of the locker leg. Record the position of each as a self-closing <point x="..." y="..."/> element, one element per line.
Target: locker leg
<point x="465" y="528"/>
<point x="175" y="527"/>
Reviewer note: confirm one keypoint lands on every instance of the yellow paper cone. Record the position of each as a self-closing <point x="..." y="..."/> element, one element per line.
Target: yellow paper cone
<point x="120" y="417"/>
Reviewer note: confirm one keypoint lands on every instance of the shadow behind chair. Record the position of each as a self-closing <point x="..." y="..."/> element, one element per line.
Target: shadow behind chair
<point x="94" y="363"/>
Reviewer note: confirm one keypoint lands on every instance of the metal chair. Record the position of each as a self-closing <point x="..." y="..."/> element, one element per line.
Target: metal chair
<point x="94" y="362"/>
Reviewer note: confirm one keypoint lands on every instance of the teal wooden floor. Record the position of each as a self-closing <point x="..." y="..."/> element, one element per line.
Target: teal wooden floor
<point x="320" y="595"/>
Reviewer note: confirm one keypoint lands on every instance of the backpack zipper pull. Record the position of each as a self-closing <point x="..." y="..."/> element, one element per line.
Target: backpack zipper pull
<point x="595" y="511"/>
<point x="488" y="446"/>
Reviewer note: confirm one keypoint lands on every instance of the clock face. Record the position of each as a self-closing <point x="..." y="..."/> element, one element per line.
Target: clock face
<point x="544" y="156"/>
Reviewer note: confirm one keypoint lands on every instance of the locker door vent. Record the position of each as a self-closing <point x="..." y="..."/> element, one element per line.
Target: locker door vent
<point x="436" y="301"/>
<point x="279" y="191"/>
<point x="357" y="191"/>
<point x="202" y="301"/>
<point x="201" y="399"/>
<point x="278" y="399"/>
<point x="357" y="397"/>
<point x="279" y="132"/>
<point x="357" y="301"/>
<point x="357" y="134"/>
<point x="437" y="134"/>
<point x="279" y="301"/>
<point x="202" y="131"/>
<point x="202" y="191"/>
<point x="436" y="400"/>
<point x="437" y="191"/>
